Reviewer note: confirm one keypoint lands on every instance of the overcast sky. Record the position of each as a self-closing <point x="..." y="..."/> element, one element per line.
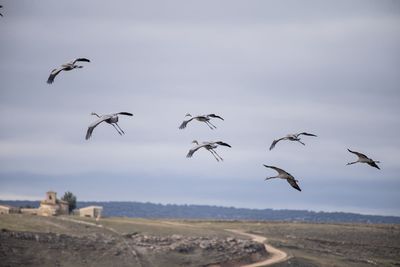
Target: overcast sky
<point x="268" y="67"/>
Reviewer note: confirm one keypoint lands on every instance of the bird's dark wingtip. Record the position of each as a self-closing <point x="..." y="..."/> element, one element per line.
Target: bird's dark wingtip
<point x="83" y="59"/>
<point x="375" y="166"/>
<point x="126" y="113"/>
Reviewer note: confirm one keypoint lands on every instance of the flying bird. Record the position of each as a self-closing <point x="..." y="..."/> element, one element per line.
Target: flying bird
<point x="110" y="119"/>
<point x="203" y="118"/>
<point x="284" y="175"/>
<point x="210" y="146"/>
<point x="66" y="67"/>
<point x="291" y="137"/>
<point x="363" y="159"/>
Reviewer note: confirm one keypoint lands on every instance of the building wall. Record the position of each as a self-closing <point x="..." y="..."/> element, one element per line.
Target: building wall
<point x="30" y="211"/>
<point x="4" y="210"/>
<point x="93" y="212"/>
<point x="48" y="209"/>
<point x="51" y="197"/>
<point x="9" y="210"/>
<point x="64" y="208"/>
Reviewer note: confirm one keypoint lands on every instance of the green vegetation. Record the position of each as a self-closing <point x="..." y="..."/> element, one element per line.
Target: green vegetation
<point x="71" y="199"/>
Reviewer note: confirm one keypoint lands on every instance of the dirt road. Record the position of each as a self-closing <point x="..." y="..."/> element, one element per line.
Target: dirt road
<point x="276" y="254"/>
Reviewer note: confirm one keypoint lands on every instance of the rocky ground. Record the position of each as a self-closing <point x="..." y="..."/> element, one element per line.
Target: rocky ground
<point x="109" y="248"/>
<point x="72" y="241"/>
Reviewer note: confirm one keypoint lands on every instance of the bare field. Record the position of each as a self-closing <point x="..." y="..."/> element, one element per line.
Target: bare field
<point x="312" y="244"/>
<point x="72" y="241"/>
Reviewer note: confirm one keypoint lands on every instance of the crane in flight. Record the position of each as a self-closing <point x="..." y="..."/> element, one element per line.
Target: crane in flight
<point x="363" y="159"/>
<point x="110" y="119"/>
<point x="210" y="146"/>
<point x="202" y="118"/>
<point x="284" y="175"/>
<point x="66" y="67"/>
<point x="291" y="137"/>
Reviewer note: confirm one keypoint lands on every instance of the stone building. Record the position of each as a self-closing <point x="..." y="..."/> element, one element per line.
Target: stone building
<point x="6" y="209"/>
<point x="91" y="211"/>
<point x="30" y="211"/>
<point x="52" y="206"/>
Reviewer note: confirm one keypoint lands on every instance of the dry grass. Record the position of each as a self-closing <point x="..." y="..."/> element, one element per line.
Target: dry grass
<point x="308" y="244"/>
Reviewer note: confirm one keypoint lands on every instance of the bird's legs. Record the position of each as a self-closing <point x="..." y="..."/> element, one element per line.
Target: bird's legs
<point x="210" y="124"/>
<point x="351" y="163"/>
<point x="120" y="128"/>
<point x="217" y="154"/>
<point x="273" y="177"/>
<point x="301" y="142"/>
<point x="213" y="155"/>
<point x="116" y="128"/>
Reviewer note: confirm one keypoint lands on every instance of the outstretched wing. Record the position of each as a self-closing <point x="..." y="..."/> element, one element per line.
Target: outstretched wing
<point x="308" y="134"/>
<point x="222" y="143"/>
<point x="80" y="59"/>
<point x="191" y="151"/>
<point x="275" y="142"/>
<point x="293" y="183"/>
<point x="93" y="125"/>
<point x="279" y="170"/>
<point x="215" y="116"/>
<point x="53" y="75"/>
<point x="358" y="154"/>
<point x="125" y="113"/>
<point x="184" y="123"/>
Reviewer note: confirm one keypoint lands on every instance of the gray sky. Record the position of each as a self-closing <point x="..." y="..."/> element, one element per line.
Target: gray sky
<point x="268" y="67"/>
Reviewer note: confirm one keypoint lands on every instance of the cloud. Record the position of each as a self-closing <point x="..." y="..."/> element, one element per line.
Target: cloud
<point x="268" y="68"/>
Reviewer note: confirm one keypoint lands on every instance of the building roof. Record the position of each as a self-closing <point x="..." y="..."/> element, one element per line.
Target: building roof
<point x="91" y="207"/>
<point x="9" y="207"/>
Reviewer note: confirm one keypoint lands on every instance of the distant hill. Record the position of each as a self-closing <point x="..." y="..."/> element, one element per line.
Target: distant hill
<point x="172" y="211"/>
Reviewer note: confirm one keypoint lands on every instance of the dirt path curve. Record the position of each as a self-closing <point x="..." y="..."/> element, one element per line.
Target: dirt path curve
<point x="276" y="254"/>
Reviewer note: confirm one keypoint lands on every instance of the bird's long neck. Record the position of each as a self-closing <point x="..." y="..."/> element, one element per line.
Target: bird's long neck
<point x="95" y="114"/>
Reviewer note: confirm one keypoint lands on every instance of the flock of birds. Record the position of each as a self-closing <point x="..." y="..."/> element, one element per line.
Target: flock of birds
<point x="282" y="174"/>
<point x="210" y="146"/>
